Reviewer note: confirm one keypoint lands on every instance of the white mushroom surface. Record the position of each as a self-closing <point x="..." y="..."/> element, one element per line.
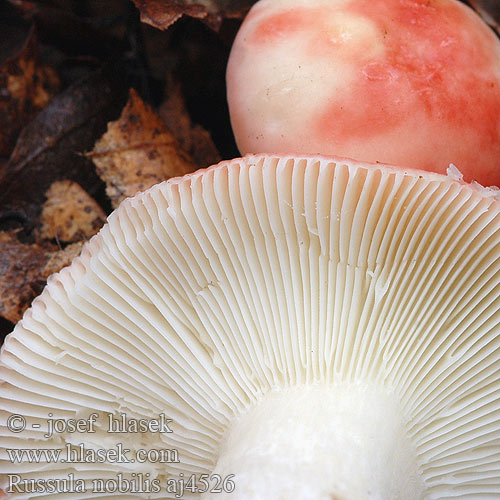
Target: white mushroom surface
<point x="320" y="328"/>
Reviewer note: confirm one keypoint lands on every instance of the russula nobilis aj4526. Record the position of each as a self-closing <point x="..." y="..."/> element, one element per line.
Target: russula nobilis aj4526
<point x="319" y="328"/>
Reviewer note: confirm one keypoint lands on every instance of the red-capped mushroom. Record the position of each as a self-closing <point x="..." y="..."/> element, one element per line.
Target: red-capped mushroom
<point x="407" y="82"/>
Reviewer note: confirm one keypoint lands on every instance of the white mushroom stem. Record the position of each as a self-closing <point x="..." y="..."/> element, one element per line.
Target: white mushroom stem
<point x="322" y="442"/>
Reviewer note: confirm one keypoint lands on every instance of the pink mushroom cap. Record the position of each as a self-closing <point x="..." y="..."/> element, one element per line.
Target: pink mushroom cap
<point x="408" y="82"/>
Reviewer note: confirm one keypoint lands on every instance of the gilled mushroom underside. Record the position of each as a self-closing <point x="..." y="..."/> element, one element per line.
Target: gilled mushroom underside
<point x="316" y="327"/>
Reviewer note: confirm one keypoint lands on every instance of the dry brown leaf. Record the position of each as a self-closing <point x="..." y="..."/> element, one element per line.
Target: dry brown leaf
<point x="24" y="270"/>
<point x="20" y="275"/>
<point x="163" y="13"/>
<point x="137" y="151"/>
<point x="192" y="138"/>
<point x="61" y="258"/>
<point x="70" y="214"/>
<point x="26" y="87"/>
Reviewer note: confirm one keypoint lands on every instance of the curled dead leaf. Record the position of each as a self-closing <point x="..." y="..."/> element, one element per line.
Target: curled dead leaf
<point x="26" y="87"/>
<point x="163" y="13"/>
<point x="70" y="214"/>
<point x="137" y="151"/>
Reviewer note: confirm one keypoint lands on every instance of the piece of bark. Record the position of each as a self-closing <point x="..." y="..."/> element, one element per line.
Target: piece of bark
<point x="137" y="151"/>
<point x="70" y="214"/>
<point x="163" y="13"/>
<point x="192" y="138"/>
<point x="26" y="87"/>
<point x="24" y="269"/>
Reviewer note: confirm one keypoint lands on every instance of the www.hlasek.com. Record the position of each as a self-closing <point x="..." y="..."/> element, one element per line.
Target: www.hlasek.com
<point x="118" y="454"/>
